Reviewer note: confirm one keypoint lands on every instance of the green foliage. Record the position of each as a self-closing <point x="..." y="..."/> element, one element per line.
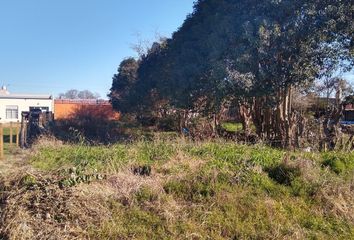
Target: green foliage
<point x="29" y="181"/>
<point x="339" y="162"/>
<point x="76" y="175"/>
<point x="226" y="50"/>
<point x="232" y="127"/>
<point x="66" y="156"/>
<point x="230" y="155"/>
<point x="235" y="52"/>
<point x="152" y="151"/>
<point x="235" y="127"/>
<point x="266" y="184"/>
<point x="120" y="95"/>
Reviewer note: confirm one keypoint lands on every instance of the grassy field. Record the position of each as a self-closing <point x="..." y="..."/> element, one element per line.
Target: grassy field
<point x="178" y="189"/>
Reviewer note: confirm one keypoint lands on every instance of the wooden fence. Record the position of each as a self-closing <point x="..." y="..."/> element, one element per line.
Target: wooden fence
<point x="11" y="130"/>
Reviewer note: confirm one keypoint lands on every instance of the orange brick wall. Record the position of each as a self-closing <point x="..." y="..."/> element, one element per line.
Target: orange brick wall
<point x="64" y="109"/>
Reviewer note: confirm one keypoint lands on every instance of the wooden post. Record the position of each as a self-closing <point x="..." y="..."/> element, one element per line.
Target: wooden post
<point x="17" y="136"/>
<point x="1" y="142"/>
<point x="23" y="131"/>
<point x="11" y="140"/>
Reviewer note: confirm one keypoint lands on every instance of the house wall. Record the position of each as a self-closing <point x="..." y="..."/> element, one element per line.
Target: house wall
<point x="23" y="105"/>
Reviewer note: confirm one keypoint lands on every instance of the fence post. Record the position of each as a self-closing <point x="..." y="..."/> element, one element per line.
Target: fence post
<point x="1" y="142"/>
<point x="23" y="134"/>
<point x="11" y="135"/>
<point x="17" y="135"/>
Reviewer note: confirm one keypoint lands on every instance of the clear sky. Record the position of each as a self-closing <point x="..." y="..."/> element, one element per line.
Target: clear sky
<point x="50" y="46"/>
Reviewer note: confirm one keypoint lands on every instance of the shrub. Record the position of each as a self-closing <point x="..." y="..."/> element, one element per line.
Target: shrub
<point x="283" y="174"/>
<point x="339" y="162"/>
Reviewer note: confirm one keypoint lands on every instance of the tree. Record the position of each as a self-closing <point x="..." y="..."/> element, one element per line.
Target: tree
<point x="254" y="53"/>
<point x="132" y="90"/>
<point x="86" y="94"/>
<point x="327" y="86"/>
<point x="121" y="95"/>
<point x="70" y="94"/>
<point x="250" y="53"/>
<point x="76" y="94"/>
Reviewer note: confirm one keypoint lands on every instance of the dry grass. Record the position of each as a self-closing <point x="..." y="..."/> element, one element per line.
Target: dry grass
<point x="336" y="198"/>
<point x="34" y="207"/>
<point x="126" y="185"/>
<point x="211" y="190"/>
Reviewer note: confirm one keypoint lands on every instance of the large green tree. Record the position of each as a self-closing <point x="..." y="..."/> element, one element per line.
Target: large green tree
<point x="121" y="94"/>
<point x="252" y="53"/>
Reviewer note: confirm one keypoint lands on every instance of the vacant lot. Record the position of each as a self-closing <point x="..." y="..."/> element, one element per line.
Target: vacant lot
<point x="177" y="189"/>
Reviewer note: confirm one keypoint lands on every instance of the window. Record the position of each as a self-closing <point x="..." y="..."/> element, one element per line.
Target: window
<point x="43" y="109"/>
<point x="11" y="112"/>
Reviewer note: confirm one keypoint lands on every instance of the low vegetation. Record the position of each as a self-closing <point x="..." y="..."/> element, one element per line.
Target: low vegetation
<point x="264" y="64"/>
<point x="173" y="188"/>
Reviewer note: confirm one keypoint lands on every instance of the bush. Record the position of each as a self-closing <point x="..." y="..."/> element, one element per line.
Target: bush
<point x="339" y="162"/>
<point x="283" y="174"/>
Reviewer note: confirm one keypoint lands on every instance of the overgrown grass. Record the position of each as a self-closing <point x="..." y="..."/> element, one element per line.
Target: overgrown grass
<point x="216" y="190"/>
<point x="339" y="162"/>
<point x="234" y="126"/>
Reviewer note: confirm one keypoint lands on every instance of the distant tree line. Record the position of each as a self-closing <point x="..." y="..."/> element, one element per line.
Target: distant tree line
<point x="255" y="55"/>
<point x="76" y="94"/>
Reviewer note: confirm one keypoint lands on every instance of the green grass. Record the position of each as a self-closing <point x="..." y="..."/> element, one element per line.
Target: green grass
<point x="234" y="127"/>
<point x="217" y="190"/>
<point x="66" y="156"/>
<point x="339" y="162"/>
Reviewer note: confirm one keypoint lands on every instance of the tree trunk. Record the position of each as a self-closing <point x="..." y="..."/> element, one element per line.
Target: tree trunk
<point x="331" y="126"/>
<point x="245" y="111"/>
<point x="215" y="124"/>
<point x="182" y="120"/>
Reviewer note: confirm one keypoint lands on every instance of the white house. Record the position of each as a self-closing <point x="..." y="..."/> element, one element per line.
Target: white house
<point x="12" y="105"/>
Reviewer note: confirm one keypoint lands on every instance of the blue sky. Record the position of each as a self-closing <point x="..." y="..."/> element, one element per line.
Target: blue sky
<point x="50" y="46"/>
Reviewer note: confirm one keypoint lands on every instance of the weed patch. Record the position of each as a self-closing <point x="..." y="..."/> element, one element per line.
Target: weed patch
<point x="338" y="162"/>
<point x="165" y="188"/>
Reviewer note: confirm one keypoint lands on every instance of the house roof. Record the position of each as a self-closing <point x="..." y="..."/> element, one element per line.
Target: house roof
<point x="25" y="96"/>
<point x="5" y="94"/>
